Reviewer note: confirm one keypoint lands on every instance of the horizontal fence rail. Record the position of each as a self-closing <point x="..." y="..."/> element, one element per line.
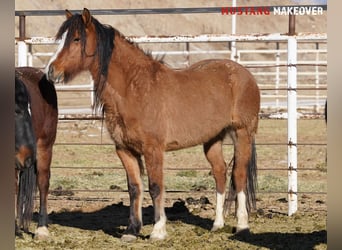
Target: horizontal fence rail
<point x="273" y="37"/>
<point x="153" y="11"/>
<point x="272" y="77"/>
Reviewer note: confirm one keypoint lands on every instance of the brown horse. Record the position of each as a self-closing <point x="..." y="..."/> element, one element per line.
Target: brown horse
<point x="44" y="113"/>
<point x="150" y="108"/>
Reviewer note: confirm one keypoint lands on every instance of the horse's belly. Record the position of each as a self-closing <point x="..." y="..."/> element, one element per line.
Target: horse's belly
<point x="195" y="134"/>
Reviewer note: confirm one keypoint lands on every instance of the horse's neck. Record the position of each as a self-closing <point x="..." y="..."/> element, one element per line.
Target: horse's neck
<point x="127" y="63"/>
<point x="127" y="55"/>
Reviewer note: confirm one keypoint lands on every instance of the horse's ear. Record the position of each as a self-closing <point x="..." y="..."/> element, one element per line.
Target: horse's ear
<point x="86" y="16"/>
<point x="68" y="14"/>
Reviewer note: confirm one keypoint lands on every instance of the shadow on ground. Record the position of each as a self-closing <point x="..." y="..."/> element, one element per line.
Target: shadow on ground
<point x="113" y="219"/>
<point x="284" y="240"/>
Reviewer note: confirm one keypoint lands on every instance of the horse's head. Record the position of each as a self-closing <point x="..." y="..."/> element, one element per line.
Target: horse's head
<point x="77" y="48"/>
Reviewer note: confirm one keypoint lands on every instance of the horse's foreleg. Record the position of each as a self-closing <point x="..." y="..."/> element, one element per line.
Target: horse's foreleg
<point x="213" y="152"/>
<point x="44" y="157"/>
<point x="135" y="189"/>
<point x="154" y="167"/>
<point x="242" y="156"/>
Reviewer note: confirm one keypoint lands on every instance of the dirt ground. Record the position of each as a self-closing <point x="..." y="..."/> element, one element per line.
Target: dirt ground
<point x="82" y="224"/>
<point x="89" y="208"/>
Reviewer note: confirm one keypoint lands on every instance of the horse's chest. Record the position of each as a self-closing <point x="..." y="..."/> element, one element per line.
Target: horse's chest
<point x="120" y="134"/>
<point x="115" y="128"/>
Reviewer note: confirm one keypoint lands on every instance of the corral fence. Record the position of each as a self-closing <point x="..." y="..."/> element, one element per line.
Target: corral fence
<point x="292" y="77"/>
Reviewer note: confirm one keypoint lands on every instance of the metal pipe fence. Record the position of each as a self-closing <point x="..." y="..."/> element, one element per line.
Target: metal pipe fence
<point x="269" y="73"/>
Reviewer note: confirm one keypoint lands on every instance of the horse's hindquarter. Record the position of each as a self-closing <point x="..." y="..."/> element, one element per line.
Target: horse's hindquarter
<point x="43" y="104"/>
<point x="200" y="102"/>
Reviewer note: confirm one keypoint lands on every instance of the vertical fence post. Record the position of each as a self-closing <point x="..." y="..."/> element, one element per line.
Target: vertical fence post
<point x="22" y="54"/>
<point x="292" y="119"/>
<point x="22" y="47"/>
<point x="317" y="107"/>
<point x="187" y="47"/>
<point x="277" y="79"/>
<point x="92" y="93"/>
<point x="233" y="43"/>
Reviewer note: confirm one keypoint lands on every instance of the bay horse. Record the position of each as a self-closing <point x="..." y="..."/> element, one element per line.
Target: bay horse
<point x="150" y="109"/>
<point x="44" y="113"/>
<point x="25" y="159"/>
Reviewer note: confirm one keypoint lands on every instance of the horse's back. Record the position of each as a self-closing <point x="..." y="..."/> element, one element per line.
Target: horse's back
<point x="236" y="79"/>
<point x="223" y="69"/>
<point x="219" y="75"/>
<point x="41" y="90"/>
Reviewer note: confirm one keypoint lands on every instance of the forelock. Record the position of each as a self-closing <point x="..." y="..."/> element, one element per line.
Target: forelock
<point x="72" y="25"/>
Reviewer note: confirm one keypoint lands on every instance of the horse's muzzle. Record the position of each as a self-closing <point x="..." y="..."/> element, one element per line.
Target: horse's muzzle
<point x="54" y="76"/>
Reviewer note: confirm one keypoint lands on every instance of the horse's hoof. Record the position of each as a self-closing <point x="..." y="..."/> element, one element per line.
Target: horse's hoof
<point x="128" y="238"/>
<point x="216" y="227"/>
<point x="19" y="234"/>
<point x="41" y="233"/>
<point x="157" y="237"/>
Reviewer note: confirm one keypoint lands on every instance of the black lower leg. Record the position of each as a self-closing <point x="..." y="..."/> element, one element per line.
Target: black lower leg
<point x="155" y="193"/>
<point x="134" y="223"/>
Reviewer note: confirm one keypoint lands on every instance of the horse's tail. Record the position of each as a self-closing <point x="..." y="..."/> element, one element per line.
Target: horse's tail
<point x="252" y="179"/>
<point x="26" y="194"/>
<point x="251" y="183"/>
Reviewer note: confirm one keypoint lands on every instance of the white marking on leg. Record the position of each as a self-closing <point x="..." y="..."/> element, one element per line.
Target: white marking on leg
<point x="219" y="218"/>
<point x="59" y="49"/>
<point x="42" y="233"/>
<point x="159" y="229"/>
<point x="241" y="213"/>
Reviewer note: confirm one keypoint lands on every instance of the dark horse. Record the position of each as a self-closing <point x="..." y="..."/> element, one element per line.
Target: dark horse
<point x="44" y="113"/>
<point x="25" y="159"/>
<point x="150" y="108"/>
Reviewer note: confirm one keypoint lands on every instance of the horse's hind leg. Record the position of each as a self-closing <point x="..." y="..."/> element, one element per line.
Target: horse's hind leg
<point x="241" y="178"/>
<point x="44" y="157"/>
<point x="213" y="152"/>
<point x="132" y="166"/>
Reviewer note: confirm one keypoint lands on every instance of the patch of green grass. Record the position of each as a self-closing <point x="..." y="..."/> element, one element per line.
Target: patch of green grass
<point x="272" y="182"/>
<point x="322" y="167"/>
<point x="65" y="183"/>
<point x="187" y="173"/>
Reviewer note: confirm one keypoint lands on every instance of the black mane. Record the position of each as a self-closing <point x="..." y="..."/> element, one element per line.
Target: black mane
<point x="105" y="45"/>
